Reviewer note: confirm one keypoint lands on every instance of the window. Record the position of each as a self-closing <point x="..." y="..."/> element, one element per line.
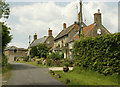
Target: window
<point x="99" y="32"/>
<point x="62" y="43"/>
<point x="48" y="42"/>
<point x="15" y="50"/>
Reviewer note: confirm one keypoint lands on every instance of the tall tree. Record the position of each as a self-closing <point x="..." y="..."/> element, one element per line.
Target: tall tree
<point x="5" y="37"/>
<point x="4" y="9"/>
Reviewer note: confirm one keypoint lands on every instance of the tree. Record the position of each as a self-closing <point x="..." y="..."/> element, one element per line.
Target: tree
<point x="42" y="50"/>
<point x="6" y="37"/>
<point x="4" y="30"/>
<point x="4" y="9"/>
<point x="33" y="52"/>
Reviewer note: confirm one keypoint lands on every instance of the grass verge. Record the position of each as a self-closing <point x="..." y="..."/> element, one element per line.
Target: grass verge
<point x="6" y="72"/>
<point x="33" y="63"/>
<point x="78" y="77"/>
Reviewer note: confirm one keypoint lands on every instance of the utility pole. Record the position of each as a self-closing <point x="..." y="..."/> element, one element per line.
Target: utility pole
<point x="29" y="39"/>
<point x="81" y="33"/>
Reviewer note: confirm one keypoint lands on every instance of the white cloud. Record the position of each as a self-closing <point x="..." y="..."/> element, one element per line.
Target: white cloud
<point x="107" y="14"/>
<point x="18" y="44"/>
<point x="39" y="17"/>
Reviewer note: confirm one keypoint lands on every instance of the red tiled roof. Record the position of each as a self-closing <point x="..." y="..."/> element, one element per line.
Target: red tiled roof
<point x="85" y="29"/>
<point x="88" y="28"/>
<point x="76" y="37"/>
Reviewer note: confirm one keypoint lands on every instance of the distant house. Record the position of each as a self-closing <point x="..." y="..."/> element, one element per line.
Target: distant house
<point x="65" y="39"/>
<point x="48" y="40"/>
<point x="13" y="52"/>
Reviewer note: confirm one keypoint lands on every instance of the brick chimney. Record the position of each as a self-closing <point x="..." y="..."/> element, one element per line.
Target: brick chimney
<point x="97" y="17"/>
<point x="64" y="25"/>
<point x="49" y="32"/>
<point x="78" y="16"/>
<point x="35" y="36"/>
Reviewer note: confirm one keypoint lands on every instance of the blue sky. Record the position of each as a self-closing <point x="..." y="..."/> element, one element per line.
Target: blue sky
<point x="28" y="18"/>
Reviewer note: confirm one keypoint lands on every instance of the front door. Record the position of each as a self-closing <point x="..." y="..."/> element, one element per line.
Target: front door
<point x="14" y="58"/>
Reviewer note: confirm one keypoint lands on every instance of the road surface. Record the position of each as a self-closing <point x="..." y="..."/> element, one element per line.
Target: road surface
<point x="25" y="74"/>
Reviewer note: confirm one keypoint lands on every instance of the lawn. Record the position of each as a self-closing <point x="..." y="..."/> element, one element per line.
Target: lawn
<point x="6" y="72"/>
<point x="33" y="63"/>
<point x="78" y="77"/>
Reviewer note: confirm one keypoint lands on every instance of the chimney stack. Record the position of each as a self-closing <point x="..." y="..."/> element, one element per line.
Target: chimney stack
<point x="35" y="36"/>
<point x="49" y="32"/>
<point x="97" y="17"/>
<point x="64" y="26"/>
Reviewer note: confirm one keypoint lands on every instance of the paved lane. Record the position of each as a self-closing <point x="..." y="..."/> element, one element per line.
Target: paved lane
<point x="25" y="74"/>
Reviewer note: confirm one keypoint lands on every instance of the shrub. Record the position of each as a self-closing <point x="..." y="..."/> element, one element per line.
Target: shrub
<point x="33" y="52"/>
<point x="49" y="62"/>
<point x="42" y="50"/>
<point x="55" y="56"/>
<point x="101" y="53"/>
<point x="4" y="60"/>
<point x="36" y="57"/>
<point x="38" y="61"/>
<point x="26" y="59"/>
<point x="66" y="63"/>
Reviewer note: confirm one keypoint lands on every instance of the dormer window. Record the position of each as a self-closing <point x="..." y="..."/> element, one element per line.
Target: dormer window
<point x="99" y="32"/>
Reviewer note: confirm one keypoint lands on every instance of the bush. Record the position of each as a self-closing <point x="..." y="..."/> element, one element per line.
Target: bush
<point x="101" y="53"/>
<point x="38" y="61"/>
<point x="49" y="62"/>
<point x="42" y="50"/>
<point x="55" y="56"/>
<point x="4" y="60"/>
<point x="34" y="58"/>
<point x="26" y="59"/>
<point x="33" y="52"/>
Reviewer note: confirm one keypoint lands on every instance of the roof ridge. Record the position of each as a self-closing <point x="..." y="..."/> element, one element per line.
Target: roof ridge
<point x="73" y="25"/>
<point x="59" y="34"/>
<point x="90" y="28"/>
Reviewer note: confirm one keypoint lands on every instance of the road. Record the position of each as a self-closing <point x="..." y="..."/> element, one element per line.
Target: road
<point x="25" y="74"/>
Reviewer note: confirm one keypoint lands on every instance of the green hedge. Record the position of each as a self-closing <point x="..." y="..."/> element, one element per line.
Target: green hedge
<point x="101" y="53"/>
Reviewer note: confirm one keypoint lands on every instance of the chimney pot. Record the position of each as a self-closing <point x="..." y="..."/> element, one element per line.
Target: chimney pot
<point x="64" y="26"/>
<point x="49" y="32"/>
<point x="98" y="10"/>
<point x="35" y="36"/>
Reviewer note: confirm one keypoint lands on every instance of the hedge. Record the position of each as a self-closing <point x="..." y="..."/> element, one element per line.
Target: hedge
<point x="101" y="53"/>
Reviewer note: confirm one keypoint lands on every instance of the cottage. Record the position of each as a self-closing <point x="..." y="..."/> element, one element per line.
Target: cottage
<point x="93" y="30"/>
<point x="62" y="39"/>
<point x="13" y="53"/>
<point x="48" y="40"/>
<point x="65" y="39"/>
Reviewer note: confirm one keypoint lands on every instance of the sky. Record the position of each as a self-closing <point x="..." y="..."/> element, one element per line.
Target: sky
<point x="28" y="18"/>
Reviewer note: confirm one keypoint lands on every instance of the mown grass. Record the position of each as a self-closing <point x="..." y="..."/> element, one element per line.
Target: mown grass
<point x="33" y="63"/>
<point x="78" y="77"/>
<point x="6" y="72"/>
